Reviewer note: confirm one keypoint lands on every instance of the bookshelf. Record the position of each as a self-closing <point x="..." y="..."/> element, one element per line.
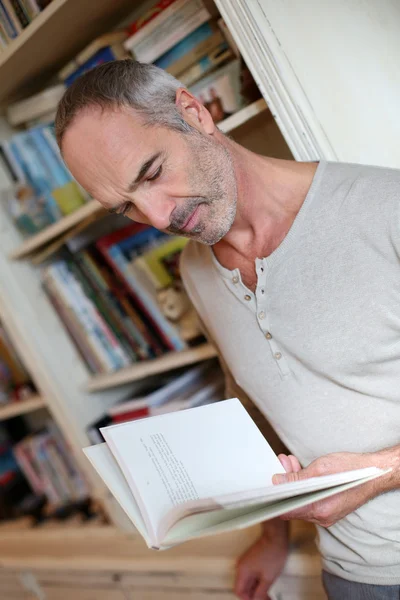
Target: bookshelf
<point x="167" y="362"/>
<point x="65" y="388"/>
<point x="55" y="230"/>
<point x="14" y="409"/>
<point x="60" y="31"/>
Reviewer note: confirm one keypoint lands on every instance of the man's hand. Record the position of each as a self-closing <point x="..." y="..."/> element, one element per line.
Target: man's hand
<point x="327" y="512"/>
<point x="263" y="562"/>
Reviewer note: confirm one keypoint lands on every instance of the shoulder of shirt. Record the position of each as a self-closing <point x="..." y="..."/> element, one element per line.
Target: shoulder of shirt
<point x="356" y="170"/>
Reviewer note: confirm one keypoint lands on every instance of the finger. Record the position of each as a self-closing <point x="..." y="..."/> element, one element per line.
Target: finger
<point x="296" y="466"/>
<point x="261" y="593"/>
<point x="285" y="462"/>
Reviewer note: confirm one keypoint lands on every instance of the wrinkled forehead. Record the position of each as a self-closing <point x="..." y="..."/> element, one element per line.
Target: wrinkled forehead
<point x="105" y="144"/>
<point x="103" y="132"/>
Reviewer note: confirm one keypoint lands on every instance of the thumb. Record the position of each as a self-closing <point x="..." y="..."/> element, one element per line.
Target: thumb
<point x="290" y="477"/>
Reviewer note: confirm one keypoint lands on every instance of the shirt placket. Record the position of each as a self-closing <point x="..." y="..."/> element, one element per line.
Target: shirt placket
<point x="263" y="317"/>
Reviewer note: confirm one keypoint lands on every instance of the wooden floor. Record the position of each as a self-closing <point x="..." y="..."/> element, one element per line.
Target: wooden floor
<point x="102" y="563"/>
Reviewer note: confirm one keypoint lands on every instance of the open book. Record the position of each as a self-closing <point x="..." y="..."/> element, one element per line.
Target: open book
<point x="202" y="471"/>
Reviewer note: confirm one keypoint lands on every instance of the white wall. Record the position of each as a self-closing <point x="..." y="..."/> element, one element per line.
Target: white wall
<point x="330" y="71"/>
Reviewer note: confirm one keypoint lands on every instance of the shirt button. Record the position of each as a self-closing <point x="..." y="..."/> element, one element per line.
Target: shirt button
<point x="268" y="335"/>
<point x="235" y="279"/>
<point x="261" y="315"/>
<point x="247" y="297"/>
<point x="278" y="355"/>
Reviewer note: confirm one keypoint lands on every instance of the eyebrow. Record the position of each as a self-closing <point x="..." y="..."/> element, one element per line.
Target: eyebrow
<point x="141" y="174"/>
<point x="143" y="171"/>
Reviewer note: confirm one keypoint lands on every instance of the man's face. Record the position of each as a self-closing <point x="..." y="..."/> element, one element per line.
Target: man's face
<point x="180" y="183"/>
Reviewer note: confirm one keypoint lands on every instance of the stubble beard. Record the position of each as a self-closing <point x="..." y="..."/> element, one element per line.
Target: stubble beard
<point x="213" y="170"/>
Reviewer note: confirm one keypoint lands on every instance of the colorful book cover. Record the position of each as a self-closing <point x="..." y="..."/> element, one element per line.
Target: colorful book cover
<point x="116" y="249"/>
<point x="102" y="56"/>
<point x="163" y="260"/>
<point x="168" y="29"/>
<point x="185" y="46"/>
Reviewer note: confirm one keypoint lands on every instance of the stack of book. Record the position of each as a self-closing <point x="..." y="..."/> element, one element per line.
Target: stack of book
<point x="182" y="37"/>
<point x="15" y="15"/>
<point x="49" y="467"/>
<point x="196" y="386"/>
<point x="109" y="295"/>
<point x="44" y="190"/>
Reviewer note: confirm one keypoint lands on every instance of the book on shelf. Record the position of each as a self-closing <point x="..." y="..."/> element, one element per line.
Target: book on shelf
<point x="114" y="294"/>
<point x="167" y="29"/>
<point x="112" y="40"/>
<point x="42" y="189"/>
<point x="198" y="385"/>
<point x="193" y="47"/>
<point x="106" y="54"/>
<point x="16" y="15"/>
<point x="120" y="250"/>
<point x="185" y="475"/>
<point x="48" y="466"/>
<point x="35" y="106"/>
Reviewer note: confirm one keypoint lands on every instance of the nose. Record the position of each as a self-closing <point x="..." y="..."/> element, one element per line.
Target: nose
<point x="156" y="209"/>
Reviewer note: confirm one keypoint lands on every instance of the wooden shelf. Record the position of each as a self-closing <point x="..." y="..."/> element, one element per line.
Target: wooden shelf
<point x="53" y="231"/>
<point x="104" y="548"/>
<point x="20" y="408"/>
<point x="172" y="360"/>
<point x="52" y="39"/>
<point x="243" y="115"/>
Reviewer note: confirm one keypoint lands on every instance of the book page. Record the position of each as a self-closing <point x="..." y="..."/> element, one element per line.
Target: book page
<point x="223" y="520"/>
<point x="108" y="469"/>
<point x="199" y="453"/>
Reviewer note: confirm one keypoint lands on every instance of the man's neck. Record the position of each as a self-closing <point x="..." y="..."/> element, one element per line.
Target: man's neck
<point x="270" y="194"/>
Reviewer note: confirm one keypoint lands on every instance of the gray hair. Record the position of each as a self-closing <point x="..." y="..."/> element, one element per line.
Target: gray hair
<point x="123" y="83"/>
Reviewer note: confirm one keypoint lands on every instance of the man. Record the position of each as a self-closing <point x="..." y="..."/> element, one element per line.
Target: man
<point x="297" y="280"/>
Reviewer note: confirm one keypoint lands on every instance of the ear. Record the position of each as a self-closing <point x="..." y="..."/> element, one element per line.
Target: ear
<point x="194" y="112"/>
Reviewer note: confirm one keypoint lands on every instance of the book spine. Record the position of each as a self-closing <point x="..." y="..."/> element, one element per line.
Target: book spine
<point x="4" y="38"/>
<point x="39" y="456"/>
<point x="90" y="271"/>
<point x="74" y="298"/>
<point x="102" y="56"/>
<point x="7" y="22"/>
<point x="12" y="165"/>
<point x="102" y="316"/>
<point x="81" y="489"/>
<point x="149" y="15"/>
<point x="86" y="309"/>
<point x="168" y="331"/>
<point x="55" y="172"/>
<point x="48" y="133"/>
<point x="31" y="8"/>
<point x="105" y="308"/>
<point x="36" y="173"/>
<point x="153" y="25"/>
<point x="20" y="13"/>
<point x="12" y="15"/>
<point x="72" y="325"/>
<point x="23" y="460"/>
<point x="131" y="322"/>
<point x="191" y="15"/>
<point x="131" y="415"/>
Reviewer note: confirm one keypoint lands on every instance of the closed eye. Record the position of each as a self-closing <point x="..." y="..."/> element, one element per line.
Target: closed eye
<point x="156" y="174"/>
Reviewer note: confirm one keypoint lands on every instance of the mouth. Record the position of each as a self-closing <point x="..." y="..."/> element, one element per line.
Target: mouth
<point x="191" y="221"/>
